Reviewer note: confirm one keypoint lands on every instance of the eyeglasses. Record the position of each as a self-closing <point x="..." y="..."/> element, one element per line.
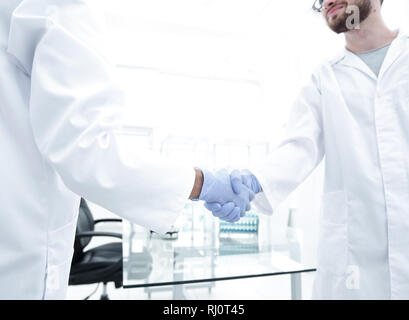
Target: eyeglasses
<point x="317" y="6"/>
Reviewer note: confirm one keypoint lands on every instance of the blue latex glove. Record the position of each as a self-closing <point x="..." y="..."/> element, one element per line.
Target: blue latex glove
<point x="246" y="178"/>
<point x="240" y="180"/>
<point x="224" y="202"/>
<point x="227" y="212"/>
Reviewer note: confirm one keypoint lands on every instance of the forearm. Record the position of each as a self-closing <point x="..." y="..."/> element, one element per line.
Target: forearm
<point x="198" y="184"/>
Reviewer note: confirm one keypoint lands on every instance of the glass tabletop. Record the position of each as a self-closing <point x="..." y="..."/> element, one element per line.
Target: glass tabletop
<point x="201" y="248"/>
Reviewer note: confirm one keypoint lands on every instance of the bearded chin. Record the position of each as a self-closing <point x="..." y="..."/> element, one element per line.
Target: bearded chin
<point x="340" y="24"/>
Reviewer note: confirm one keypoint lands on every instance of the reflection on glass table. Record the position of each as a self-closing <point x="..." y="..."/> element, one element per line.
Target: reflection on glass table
<point x="201" y="250"/>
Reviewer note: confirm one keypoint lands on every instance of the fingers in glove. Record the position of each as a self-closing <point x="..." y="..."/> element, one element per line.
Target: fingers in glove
<point x="235" y="179"/>
<point x="235" y="220"/>
<point x="212" y="206"/>
<point x="233" y="216"/>
<point x="251" y="195"/>
<point x="246" y="180"/>
<point x="225" y="210"/>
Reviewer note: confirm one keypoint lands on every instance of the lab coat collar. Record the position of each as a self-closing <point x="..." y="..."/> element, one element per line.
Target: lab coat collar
<point x="396" y="49"/>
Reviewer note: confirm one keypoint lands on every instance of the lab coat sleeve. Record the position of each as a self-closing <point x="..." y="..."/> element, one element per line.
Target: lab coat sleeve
<point x="299" y="153"/>
<point x="75" y="111"/>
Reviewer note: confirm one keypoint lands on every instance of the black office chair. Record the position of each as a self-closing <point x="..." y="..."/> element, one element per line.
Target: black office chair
<point x="102" y="264"/>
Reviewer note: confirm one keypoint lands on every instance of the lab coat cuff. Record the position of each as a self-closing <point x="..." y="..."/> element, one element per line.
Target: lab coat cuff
<point x="185" y="185"/>
<point x="160" y="215"/>
<point x="264" y="201"/>
<point x="262" y="204"/>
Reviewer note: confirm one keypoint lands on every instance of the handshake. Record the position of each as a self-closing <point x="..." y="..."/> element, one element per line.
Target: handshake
<point x="228" y="196"/>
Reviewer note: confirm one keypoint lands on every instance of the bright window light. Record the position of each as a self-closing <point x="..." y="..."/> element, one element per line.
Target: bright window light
<point x="222" y="69"/>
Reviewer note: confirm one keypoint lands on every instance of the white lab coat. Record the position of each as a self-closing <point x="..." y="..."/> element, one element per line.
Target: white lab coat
<point x="360" y="123"/>
<point x="59" y="111"/>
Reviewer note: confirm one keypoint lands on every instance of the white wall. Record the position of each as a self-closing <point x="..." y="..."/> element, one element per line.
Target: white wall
<point x="225" y="68"/>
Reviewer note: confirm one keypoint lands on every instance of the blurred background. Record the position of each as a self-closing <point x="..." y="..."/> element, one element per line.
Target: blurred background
<point x="212" y="82"/>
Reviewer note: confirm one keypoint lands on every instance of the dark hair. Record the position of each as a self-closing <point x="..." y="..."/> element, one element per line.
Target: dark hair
<point x="381" y="2"/>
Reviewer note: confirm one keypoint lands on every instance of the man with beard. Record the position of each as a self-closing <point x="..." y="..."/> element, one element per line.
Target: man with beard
<point x="355" y="112"/>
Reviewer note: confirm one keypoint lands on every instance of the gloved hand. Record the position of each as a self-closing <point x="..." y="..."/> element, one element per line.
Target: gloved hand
<point x="246" y="178"/>
<point x="225" y="202"/>
<point x="240" y="180"/>
<point x="227" y="212"/>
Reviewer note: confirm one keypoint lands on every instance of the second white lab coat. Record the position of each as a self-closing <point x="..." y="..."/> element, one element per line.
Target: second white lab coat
<point x="59" y="114"/>
<point x="360" y="123"/>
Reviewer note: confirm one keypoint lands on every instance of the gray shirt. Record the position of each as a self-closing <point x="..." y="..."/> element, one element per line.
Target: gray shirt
<point x="374" y="58"/>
